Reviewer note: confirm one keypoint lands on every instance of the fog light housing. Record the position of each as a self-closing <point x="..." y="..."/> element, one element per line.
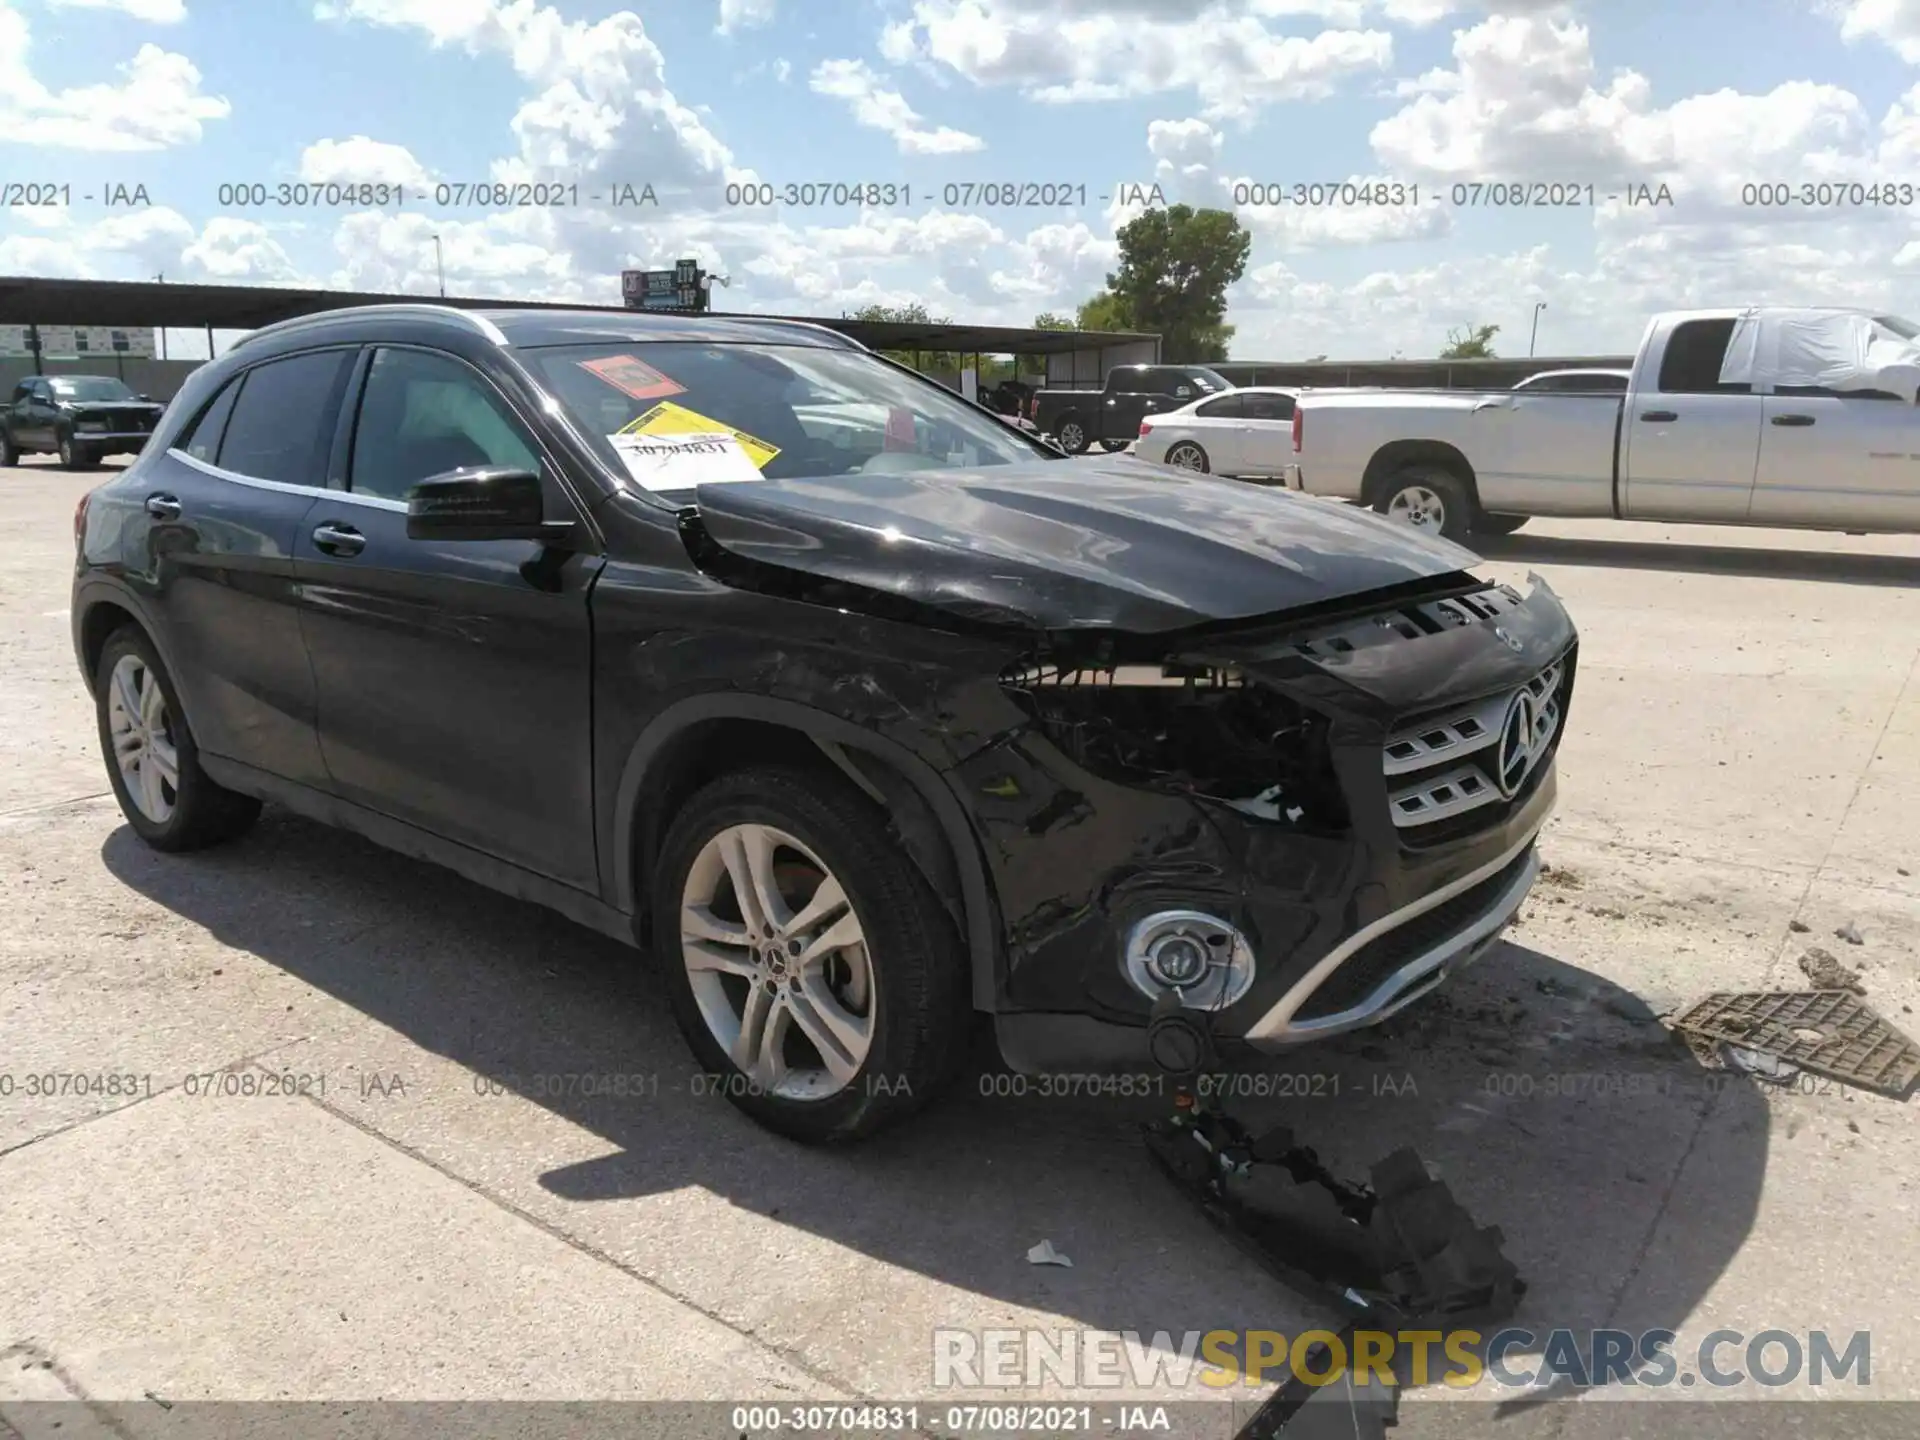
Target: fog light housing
<point x="1199" y="957"/>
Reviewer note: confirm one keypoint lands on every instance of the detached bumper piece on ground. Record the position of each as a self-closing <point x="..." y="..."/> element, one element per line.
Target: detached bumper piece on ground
<point x="1397" y="1253"/>
<point x="1400" y="1250"/>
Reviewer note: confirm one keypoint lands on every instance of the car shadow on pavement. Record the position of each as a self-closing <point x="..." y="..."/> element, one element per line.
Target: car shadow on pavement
<point x="1899" y="571"/>
<point x="1551" y="1101"/>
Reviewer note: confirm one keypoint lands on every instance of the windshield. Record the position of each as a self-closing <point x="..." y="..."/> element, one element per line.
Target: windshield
<point x="1902" y="329"/>
<point x="672" y="414"/>
<point x="91" y="387"/>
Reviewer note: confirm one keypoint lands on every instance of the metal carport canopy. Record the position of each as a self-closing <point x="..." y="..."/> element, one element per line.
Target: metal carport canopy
<point x="31" y="300"/>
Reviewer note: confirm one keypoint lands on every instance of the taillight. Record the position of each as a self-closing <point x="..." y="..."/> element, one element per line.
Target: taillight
<point x="1297" y="417"/>
<point x="1146" y="428"/>
<point x="80" y="520"/>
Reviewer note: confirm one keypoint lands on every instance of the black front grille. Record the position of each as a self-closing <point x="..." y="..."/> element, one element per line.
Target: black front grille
<point x="1369" y="967"/>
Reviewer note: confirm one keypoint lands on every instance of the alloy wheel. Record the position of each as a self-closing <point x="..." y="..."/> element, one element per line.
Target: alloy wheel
<point x="1072" y="437"/>
<point x="1186" y="457"/>
<point x="1419" y="507"/>
<point x="778" y="963"/>
<point x="144" y="748"/>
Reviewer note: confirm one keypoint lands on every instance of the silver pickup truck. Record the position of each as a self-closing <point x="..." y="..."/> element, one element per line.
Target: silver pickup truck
<point x="1733" y="417"/>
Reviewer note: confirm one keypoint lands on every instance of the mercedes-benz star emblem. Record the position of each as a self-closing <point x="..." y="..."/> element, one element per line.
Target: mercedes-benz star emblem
<point x="1510" y="641"/>
<point x="1515" y="756"/>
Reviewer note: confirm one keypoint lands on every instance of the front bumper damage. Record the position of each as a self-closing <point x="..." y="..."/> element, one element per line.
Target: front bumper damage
<point x="1370" y="844"/>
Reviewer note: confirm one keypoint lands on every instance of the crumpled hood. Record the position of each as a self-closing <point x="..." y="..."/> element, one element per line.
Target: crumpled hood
<point x="1094" y="543"/>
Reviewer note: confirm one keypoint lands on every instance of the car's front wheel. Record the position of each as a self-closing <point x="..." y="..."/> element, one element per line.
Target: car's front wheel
<point x="75" y="456"/>
<point x="9" y="452"/>
<point x="152" y="761"/>
<point x="813" y="972"/>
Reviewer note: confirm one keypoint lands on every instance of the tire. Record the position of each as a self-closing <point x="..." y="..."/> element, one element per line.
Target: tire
<point x="1186" y="455"/>
<point x="1429" y="499"/>
<point x="899" y="993"/>
<point x="1072" y="435"/>
<point x="1114" y="447"/>
<point x="75" y="456"/>
<point x="1490" y="524"/>
<point x="9" y="452"/>
<point x="192" y="812"/>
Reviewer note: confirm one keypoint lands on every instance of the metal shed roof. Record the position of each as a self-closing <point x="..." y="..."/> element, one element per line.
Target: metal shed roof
<point x="36" y="300"/>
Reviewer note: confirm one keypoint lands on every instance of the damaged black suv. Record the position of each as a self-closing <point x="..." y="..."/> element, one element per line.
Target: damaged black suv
<point x="860" y="710"/>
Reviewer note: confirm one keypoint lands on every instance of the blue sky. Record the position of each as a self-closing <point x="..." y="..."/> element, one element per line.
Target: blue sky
<point x="183" y="96"/>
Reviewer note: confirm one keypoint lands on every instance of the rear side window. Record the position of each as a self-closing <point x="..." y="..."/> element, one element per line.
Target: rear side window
<point x="1225" y="407"/>
<point x="282" y="424"/>
<point x="1133" y="382"/>
<point x="1269" y="407"/>
<point x="202" y="440"/>
<point x="1695" y="352"/>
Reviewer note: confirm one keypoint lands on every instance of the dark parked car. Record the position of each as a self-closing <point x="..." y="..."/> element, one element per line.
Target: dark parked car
<point x="856" y="707"/>
<point x="80" y="418"/>
<point x="1111" y="415"/>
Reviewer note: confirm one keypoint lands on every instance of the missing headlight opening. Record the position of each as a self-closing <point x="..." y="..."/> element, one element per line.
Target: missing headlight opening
<point x="1202" y="730"/>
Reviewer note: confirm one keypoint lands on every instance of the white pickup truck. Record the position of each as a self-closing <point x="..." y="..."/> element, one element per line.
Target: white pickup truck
<point x="1801" y="418"/>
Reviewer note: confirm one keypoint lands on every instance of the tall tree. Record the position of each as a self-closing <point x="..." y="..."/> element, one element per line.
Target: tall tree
<point x="1105" y="311"/>
<point x="914" y="314"/>
<point x="1051" y="321"/>
<point x="1175" y="267"/>
<point x="1474" y="344"/>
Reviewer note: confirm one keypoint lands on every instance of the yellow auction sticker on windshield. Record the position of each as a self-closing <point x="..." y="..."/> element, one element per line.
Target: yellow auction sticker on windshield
<point x="667" y="418"/>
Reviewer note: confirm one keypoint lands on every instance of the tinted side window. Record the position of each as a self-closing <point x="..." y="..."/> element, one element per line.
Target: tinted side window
<point x="1695" y="352"/>
<point x="1130" y="382"/>
<point x="1269" y="407"/>
<point x="423" y="415"/>
<point x="202" y="438"/>
<point x="1226" y="405"/>
<point x="282" y="424"/>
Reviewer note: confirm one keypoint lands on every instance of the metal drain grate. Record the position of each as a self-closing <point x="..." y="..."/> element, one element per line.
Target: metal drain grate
<point x="1826" y="1031"/>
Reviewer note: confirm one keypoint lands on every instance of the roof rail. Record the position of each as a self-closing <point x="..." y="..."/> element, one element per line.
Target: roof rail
<point x="426" y="312"/>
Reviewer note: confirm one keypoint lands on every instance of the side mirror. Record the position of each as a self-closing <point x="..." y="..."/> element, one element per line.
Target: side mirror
<point x="486" y="502"/>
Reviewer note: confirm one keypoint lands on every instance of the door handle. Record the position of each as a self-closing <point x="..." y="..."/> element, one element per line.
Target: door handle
<point x="163" y="507"/>
<point x="342" y="540"/>
<point x="1793" y="419"/>
<point x="1658" y="417"/>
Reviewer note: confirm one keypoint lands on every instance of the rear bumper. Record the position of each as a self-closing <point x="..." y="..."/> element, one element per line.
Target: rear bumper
<point x="1292" y="478"/>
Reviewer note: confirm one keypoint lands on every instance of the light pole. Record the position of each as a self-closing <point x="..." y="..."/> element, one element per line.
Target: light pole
<point x="161" y="278"/>
<point x="1538" y="306"/>
<point x="440" y="265"/>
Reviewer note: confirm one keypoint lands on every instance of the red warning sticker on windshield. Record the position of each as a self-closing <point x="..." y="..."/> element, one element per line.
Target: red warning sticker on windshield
<point x="633" y="376"/>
